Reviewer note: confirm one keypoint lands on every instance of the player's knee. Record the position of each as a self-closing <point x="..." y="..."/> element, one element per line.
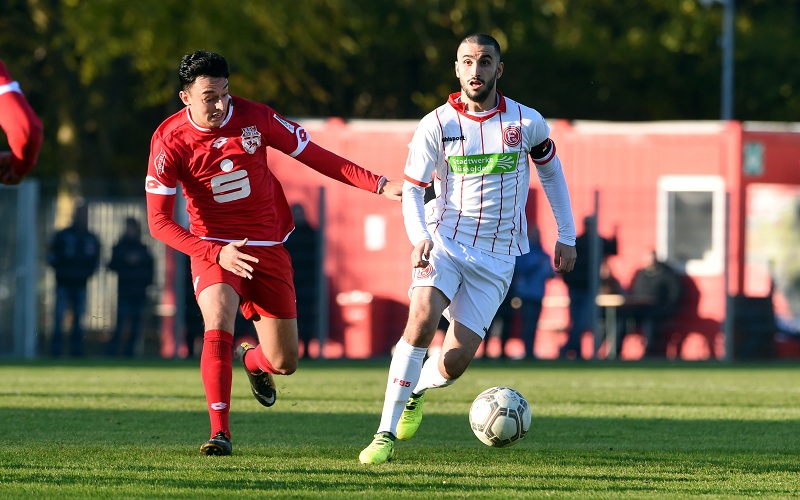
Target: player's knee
<point x="453" y="366"/>
<point x="285" y="366"/>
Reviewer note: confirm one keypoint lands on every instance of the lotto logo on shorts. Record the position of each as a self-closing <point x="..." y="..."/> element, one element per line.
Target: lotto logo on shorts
<point x="424" y="272"/>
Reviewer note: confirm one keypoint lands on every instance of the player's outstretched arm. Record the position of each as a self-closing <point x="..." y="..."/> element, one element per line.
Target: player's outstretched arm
<point x="345" y="171"/>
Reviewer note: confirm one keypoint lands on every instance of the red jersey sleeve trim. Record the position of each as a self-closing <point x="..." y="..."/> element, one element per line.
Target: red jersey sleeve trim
<point x="416" y="182"/>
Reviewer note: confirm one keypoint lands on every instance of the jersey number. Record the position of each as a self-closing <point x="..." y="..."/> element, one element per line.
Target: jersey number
<point x="231" y="186"/>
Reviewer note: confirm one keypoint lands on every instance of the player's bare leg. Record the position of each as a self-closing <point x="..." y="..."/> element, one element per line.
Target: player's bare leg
<point x="278" y="342"/>
<point x="218" y="303"/>
<point x="458" y="350"/>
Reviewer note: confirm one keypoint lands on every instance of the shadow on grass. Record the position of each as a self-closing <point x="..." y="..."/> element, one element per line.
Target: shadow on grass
<point x="288" y="430"/>
<point x="317" y="452"/>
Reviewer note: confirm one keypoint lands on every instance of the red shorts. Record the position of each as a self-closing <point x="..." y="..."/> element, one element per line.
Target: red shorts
<point x="271" y="291"/>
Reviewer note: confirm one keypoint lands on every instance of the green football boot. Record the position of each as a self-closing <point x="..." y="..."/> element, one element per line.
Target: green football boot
<point x="379" y="451"/>
<point x="411" y="418"/>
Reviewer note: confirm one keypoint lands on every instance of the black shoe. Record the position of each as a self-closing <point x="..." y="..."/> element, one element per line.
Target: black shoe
<point x="217" y="445"/>
<point x="262" y="385"/>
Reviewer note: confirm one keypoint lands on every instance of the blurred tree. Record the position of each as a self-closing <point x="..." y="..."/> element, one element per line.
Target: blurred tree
<point x="102" y="73"/>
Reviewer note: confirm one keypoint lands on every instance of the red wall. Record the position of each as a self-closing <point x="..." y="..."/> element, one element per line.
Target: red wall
<point x="622" y="162"/>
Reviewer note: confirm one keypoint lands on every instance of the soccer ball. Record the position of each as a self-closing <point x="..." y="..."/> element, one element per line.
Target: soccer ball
<point x="500" y="417"/>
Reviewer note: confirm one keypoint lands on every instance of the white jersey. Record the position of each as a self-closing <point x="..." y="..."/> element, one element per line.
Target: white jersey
<point x="479" y="167"/>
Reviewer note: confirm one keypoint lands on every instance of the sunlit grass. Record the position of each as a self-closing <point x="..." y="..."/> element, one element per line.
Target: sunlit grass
<point x="132" y="430"/>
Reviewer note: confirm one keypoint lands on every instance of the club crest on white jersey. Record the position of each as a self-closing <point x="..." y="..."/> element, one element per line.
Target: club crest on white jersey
<point x="251" y="139"/>
<point x="512" y="136"/>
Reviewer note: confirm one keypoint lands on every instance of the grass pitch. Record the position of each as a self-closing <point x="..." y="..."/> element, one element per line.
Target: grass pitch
<point x="102" y="429"/>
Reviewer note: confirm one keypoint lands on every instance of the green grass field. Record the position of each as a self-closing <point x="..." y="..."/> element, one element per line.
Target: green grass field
<point x="107" y="429"/>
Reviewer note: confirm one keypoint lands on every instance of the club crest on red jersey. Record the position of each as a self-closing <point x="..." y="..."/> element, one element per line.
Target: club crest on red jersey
<point x="512" y="136"/>
<point x="251" y="139"/>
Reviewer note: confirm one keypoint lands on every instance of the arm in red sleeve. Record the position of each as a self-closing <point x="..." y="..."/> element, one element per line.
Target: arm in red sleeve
<point x="334" y="166"/>
<point x="163" y="227"/>
<point x="20" y="123"/>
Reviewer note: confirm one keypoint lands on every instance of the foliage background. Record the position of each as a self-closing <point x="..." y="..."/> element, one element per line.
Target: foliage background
<point x="102" y="73"/>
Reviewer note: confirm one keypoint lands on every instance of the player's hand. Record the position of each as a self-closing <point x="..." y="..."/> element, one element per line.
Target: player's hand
<point x="421" y="255"/>
<point x="564" y="257"/>
<point x="7" y="174"/>
<point x="231" y="259"/>
<point x="393" y="190"/>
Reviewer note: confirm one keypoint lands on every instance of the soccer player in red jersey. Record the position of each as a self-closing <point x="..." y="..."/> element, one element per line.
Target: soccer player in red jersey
<point x="23" y="129"/>
<point x="216" y="148"/>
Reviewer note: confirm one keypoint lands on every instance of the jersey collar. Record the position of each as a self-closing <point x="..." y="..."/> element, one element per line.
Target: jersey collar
<point x="455" y="101"/>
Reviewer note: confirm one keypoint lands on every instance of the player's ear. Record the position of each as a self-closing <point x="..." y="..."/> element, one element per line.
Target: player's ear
<point x="457" y="73"/>
<point x="499" y="71"/>
<point x="184" y="97"/>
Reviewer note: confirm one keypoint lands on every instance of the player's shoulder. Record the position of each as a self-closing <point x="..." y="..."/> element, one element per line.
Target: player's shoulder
<point x="247" y="105"/>
<point x="527" y="112"/>
<point x="247" y="113"/>
<point x="172" y="125"/>
<point x="437" y="116"/>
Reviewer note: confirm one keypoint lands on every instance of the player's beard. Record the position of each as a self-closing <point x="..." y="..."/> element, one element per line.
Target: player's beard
<point x="483" y="93"/>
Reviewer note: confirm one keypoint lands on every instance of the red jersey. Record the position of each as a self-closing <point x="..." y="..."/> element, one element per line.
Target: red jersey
<point x="230" y="192"/>
<point x="21" y="125"/>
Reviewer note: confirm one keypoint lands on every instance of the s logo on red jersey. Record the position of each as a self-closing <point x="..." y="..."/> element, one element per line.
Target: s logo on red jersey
<point x="512" y="136"/>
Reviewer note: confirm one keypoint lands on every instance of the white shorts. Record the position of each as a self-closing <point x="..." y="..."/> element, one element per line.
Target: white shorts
<point x="476" y="282"/>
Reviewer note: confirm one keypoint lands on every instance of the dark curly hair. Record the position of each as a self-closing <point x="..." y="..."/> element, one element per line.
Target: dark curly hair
<point x="482" y="39"/>
<point x="201" y="63"/>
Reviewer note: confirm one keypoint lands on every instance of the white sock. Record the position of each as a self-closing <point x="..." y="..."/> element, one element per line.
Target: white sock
<point x="431" y="377"/>
<point x="404" y="373"/>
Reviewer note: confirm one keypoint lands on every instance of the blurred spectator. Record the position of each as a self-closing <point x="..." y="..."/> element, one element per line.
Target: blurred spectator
<point x="74" y="254"/>
<point x="303" y="246"/>
<point x="133" y="263"/>
<point x="579" y="284"/>
<point x="525" y="296"/>
<point x="653" y="299"/>
<point x="612" y="288"/>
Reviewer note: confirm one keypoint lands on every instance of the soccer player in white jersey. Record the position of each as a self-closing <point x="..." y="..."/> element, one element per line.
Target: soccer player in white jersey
<point x="216" y="148"/>
<point x="475" y="150"/>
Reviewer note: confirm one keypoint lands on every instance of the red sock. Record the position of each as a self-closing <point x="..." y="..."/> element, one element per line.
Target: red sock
<point x="216" y="371"/>
<point x="256" y="362"/>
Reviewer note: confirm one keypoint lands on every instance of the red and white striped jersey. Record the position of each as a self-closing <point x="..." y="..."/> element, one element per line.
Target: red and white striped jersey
<point x="479" y="167"/>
